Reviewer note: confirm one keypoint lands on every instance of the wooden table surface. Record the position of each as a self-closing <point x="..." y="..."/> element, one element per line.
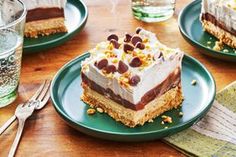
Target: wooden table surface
<point x="45" y="132"/>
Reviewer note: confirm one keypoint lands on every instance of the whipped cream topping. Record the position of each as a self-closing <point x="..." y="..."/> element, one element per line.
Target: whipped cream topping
<point x="223" y="10"/>
<point x="157" y="62"/>
<point x="33" y="4"/>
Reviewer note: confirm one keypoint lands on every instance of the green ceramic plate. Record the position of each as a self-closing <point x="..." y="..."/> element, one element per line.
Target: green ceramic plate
<point x="191" y="29"/>
<point x="76" y="14"/>
<point x="66" y="91"/>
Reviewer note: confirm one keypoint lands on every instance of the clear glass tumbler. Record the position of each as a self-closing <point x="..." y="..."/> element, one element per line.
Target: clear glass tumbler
<point x="12" y="21"/>
<point x="153" y="10"/>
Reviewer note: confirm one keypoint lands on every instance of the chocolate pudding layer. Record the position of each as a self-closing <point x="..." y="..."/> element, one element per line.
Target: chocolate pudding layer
<point x="44" y="13"/>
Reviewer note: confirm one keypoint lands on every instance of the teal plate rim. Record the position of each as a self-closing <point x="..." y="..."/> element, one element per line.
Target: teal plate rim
<point x="28" y="49"/>
<point x="90" y="131"/>
<point x="210" y="52"/>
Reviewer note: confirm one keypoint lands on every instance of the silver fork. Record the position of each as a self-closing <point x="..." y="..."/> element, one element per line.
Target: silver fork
<point x="23" y="111"/>
<point x="39" y="95"/>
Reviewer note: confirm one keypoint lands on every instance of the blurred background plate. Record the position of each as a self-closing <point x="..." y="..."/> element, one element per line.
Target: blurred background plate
<point x="191" y="29"/>
<point x="66" y="91"/>
<point x="76" y="14"/>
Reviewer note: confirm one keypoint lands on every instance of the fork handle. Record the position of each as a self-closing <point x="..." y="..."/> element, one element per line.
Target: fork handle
<point x="17" y="138"/>
<point x="7" y="124"/>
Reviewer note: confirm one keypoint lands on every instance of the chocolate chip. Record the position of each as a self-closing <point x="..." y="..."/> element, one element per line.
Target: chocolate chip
<point x="135" y="39"/>
<point x="134" y="80"/>
<point x="122" y="67"/>
<point x="127" y="37"/>
<point x="138" y="30"/>
<point x="112" y="36"/>
<point x="115" y="43"/>
<point x="161" y="54"/>
<point x="128" y="47"/>
<point x="140" y="45"/>
<point x="101" y="64"/>
<point x="135" y="62"/>
<point x="110" y="69"/>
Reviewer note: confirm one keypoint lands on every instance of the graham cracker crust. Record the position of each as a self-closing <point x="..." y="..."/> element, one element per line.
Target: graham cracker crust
<point x="45" y="27"/>
<point x="219" y="33"/>
<point x="131" y="118"/>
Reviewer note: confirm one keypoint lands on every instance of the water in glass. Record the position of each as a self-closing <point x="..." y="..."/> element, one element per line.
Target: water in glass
<point x="153" y="10"/>
<point x="10" y="64"/>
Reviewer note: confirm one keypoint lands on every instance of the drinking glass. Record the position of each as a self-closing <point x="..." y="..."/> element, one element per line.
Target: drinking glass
<point x="153" y="10"/>
<point x="12" y="21"/>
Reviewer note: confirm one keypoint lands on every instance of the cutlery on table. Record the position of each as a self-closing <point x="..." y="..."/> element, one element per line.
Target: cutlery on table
<point x="25" y="110"/>
<point x="42" y="90"/>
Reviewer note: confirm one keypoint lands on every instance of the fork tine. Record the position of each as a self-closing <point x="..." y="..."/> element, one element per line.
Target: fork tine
<point x="45" y="99"/>
<point x="38" y="91"/>
<point x="44" y="91"/>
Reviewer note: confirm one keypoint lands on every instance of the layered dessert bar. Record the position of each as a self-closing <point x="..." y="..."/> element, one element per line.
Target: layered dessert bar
<point x="218" y="17"/>
<point x="134" y="78"/>
<point x="44" y="17"/>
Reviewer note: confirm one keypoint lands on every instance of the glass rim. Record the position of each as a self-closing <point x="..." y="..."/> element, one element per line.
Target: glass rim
<point x="18" y="20"/>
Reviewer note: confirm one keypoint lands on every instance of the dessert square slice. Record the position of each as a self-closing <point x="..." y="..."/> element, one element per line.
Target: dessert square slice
<point x="134" y="78"/>
<point x="44" y="17"/>
<point x="218" y="17"/>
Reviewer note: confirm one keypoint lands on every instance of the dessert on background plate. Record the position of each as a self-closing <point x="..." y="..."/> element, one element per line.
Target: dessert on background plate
<point x="134" y="78"/>
<point x="44" y="17"/>
<point x="218" y="17"/>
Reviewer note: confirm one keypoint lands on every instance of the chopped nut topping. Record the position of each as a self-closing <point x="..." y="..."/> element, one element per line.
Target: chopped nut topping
<point x="181" y="114"/>
<point x="194" y="82"/>
<point x="166" y="119"/>
<point x="150" y="121"/>
<point x="226" y="50"/>
<point x="147" y="46"/>
<point x="98" y="46"/>
<point x="110" y="54"/>
<point x="140" y="68"/>
<point x="91" y="111"/>
<point x="127" y="74"/>
<point x="100" y="110"/>
<point x="145" y="40"/>
<point x="123" y="81"/>
<point x="110" y="46"/>
<point x="162" y="122"/>
<point x="163" y="116"/>
<point x="123" y="56"/>
<point x="218" y="46"/>
<point x="115" y="60"/>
